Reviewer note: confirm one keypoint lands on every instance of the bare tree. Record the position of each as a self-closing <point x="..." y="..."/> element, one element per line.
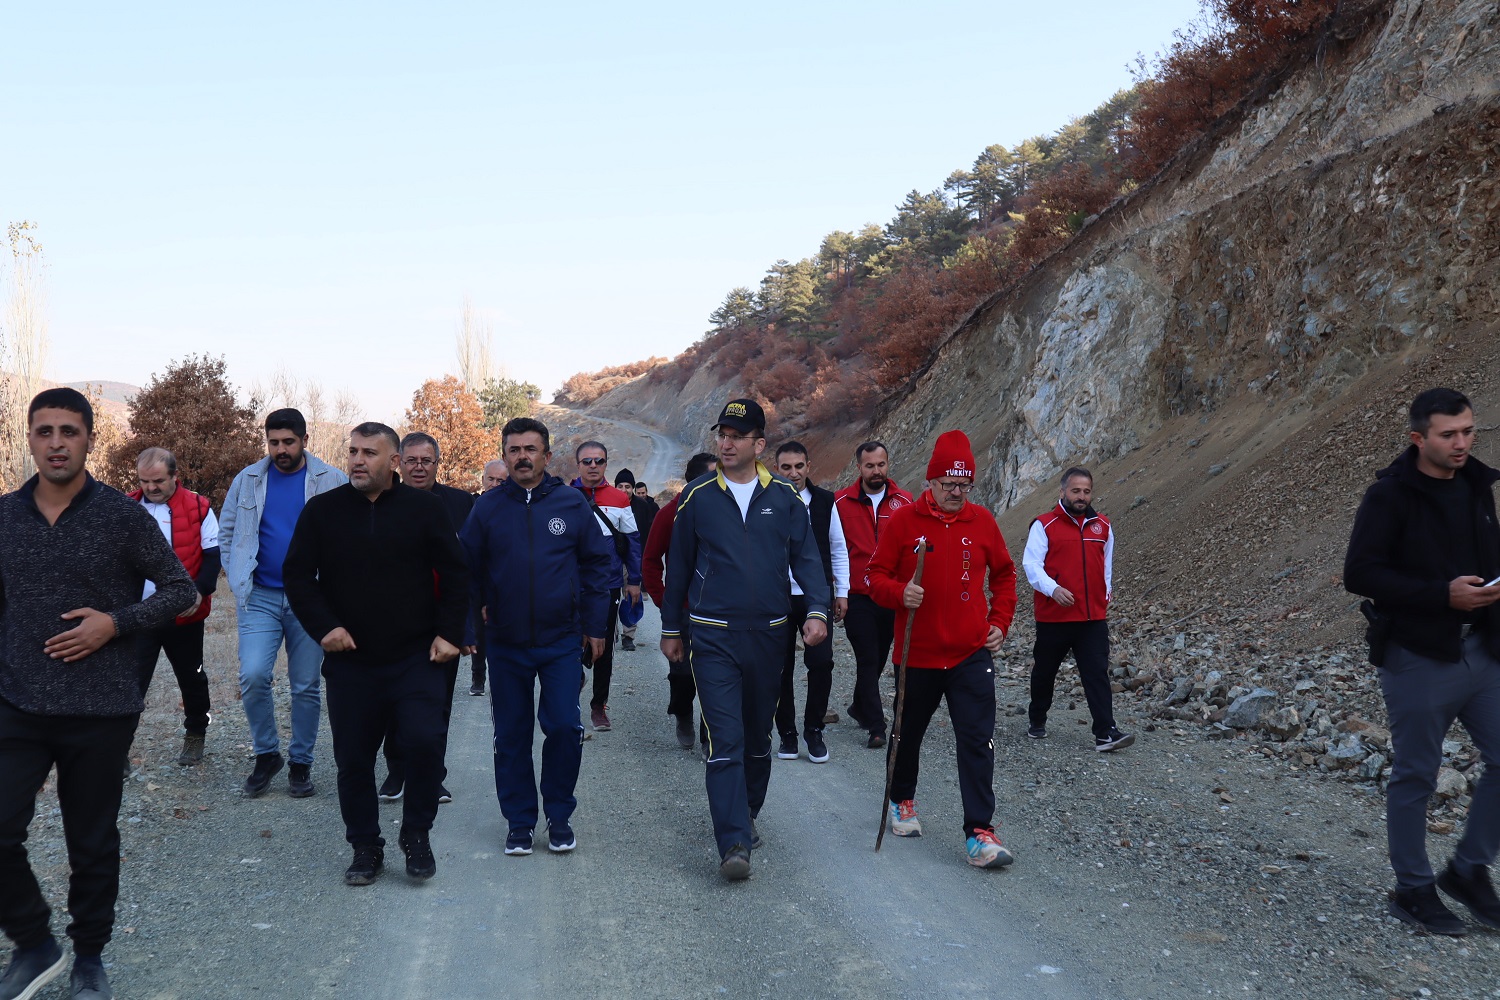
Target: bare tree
<point x="476" y="351"/>
<point x="23" y="349"/>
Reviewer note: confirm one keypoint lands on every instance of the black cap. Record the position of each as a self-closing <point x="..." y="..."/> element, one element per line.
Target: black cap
<point x="743" y="415"/>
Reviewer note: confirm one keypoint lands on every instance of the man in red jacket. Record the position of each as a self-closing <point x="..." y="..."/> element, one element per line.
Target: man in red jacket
<point x="955" y="638"/>
<point x="1069" y="561"/>
<point x="864" y="507"/>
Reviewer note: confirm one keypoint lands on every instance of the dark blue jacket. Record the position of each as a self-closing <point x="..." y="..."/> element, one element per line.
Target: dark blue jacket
<point x="539" y="563"/>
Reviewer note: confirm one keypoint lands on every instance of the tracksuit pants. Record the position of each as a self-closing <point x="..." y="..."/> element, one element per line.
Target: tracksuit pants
<point x="819" y="662"/>
<point x="969" y="689"/>
<point x="871" y="630"/>
<point x="1089" y="644"/>
<point x="88" y="752"/>
<point x="183" y="645"/>
<point x="365" y="702"/>
<point x="604" y="666"/>
<point x="515" y="674"/>
<point x="1422" y="698"/>
<point x="738" y="674"/>
<point x="395" y="754"/>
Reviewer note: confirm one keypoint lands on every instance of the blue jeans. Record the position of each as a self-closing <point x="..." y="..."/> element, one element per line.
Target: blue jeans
<point x="514" y="674"/>
<point x="264" y="621"/>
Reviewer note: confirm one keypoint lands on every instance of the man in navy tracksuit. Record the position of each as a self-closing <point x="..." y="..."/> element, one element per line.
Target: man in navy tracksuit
<point x="540" y="568"/>
<point x="737" y="532"/>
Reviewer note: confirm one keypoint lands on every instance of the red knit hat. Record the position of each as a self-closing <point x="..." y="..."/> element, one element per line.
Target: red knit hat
<point x="952" y="456"/>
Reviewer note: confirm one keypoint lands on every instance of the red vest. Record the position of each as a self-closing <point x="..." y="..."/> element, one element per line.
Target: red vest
<point x="188" y="513"/>
<point x="1075" y="559"/>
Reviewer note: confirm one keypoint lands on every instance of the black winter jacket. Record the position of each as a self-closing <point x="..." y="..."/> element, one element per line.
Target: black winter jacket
<point x="1400" y="555"/>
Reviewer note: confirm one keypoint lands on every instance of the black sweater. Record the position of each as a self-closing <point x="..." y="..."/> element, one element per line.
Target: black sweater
<point x="372" y="568"/>
<point x="1403" y="553"/>
<point x="99" y="554"/>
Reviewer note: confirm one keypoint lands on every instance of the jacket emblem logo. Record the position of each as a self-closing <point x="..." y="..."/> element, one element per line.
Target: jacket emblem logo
<point x="767" y="510"/>
<point x="897" y="502"/>
<point x="557" y="525"/>
<point x="1097" y="528"/>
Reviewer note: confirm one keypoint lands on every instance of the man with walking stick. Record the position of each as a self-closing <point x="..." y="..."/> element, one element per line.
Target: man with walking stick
<point x="948" y="636"/>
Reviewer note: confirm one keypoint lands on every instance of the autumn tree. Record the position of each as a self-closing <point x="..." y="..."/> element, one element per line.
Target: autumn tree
<point x="453" y="415"/>
<point x="191" y="410"/>
<point x="503" y="398"/>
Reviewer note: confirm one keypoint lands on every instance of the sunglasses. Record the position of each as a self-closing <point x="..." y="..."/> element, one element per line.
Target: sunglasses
<point x="592" y="461"/>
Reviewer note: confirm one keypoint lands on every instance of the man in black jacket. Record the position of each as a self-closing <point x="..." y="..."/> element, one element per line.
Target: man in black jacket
<point x="375" y="573"/>
<point x="75" y="556"/>
<point x="1423" y="546"/>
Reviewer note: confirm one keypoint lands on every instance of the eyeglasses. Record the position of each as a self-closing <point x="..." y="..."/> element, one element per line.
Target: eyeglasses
<point x="422" y="462"/>
<point x="962" y="488"/>
<point x="737" y="438"/>
<point x="592" y="461"/>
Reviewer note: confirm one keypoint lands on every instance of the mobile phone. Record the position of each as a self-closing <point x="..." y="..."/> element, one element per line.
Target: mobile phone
<point x="1493" y="582"/>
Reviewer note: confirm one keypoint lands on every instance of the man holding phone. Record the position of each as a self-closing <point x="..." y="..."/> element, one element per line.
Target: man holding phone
<point x="1424" y="542"/>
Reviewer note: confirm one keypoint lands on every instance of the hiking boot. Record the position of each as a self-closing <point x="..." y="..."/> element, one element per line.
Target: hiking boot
<point x="599" y="716"/>
<point x="1475" y="892"/>
<point x="391" y="789"/>
<point x="817" y="750"/>
<point x="560" y="838"/>
<point x="1116" y="740"/>
<point x="444" y="796"/>
<point x="476" y="689"/>
<point x="627" y="644"/>
<point x="736" y="864"/>
<point x="368" y="860"/>
<point x="830" y="717"/>
<point x="1040" y="733"/>
<point x="420" y="863"/>
<point x="685" y="738"/>
<point x="299" y="781"/>
<point x="788" y="749"/>
<point x="192" y="749"/>
<point x="88" y="981"/>
<point x="518" y="841"/>
<point x="32" y="968"/>
<point x="904" y="819"/>
<point x="1422" y="908"/>
<point x="984" y="850"/>
<point x="266" y="766"/>
<point x="876" y="741"/>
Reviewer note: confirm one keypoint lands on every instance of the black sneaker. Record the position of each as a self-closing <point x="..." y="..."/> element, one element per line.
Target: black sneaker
<point x="1040" y="733"/>
<point x="391" y="789"/>
<point x="476" y="689"/>
<point x="627" y="644"/>
<point x="419" y="860"/>
<point x="1423" y="909"/>
<point x="299" y="781"/>
<point x="876" y="741"/>
<point x="192" y="750"/>
<point x="560" y="839"/>
<point x="88" y="981"/>
<point x="1116" y="740"/>
<point x="32" y="968"/>
<point x="736" y="864"/>
<point x="368" y="860"/>
<point x="685" y="738"/>
<point x="817" y="750"/>
<point x="518" y="841"/>
<point x="1475" y="892"/>
<point x="444" y="796"/>
<point x="788" y="749"/>
<point x="266" y="767"/>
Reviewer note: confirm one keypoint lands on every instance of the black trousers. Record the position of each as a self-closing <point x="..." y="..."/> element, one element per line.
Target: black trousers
<point x="477" y="670"/>
<point x="738" y="675"/>
<point x="604" y="666"/>
<point x="680" y="686"/>
<point x="1089" y="644"/>
<point x="871" y="630"/>
<point x="183" y="645"/>
<point x="88" y="752"/>
<point x="395" y="755"/>
<point x="969" y="689"/>
<point x="366" y="701"/>
<point x="819" y="662"/>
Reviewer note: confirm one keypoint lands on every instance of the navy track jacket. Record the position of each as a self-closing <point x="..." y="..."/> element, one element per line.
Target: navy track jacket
<point x="730" y="571"/>
<point x="538" y="563"/>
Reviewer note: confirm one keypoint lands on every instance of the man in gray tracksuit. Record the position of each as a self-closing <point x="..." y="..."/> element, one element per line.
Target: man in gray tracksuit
<point x="737" y="533"/>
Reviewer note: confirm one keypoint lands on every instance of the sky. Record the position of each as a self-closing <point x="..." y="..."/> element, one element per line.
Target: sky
<point x="318" y="188"/>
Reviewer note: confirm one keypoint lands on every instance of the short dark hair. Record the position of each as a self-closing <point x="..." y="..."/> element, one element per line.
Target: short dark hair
<point x="796" y="447"/>
<point x="526" y="425"/>
<point x="859" y="452"/>
<point x="288" y="418"/>
<point x="1076" y="470"/>
<point x="590" y="444"/>
<point x="698" y="465"/>
<point x="63" y="398"/>
<point x="1439" y="401"/>
<point x="157" y="456"/>
<point x="374" y="428"/>
<point x="642" y="486"/>
<point x="418" y="437"/>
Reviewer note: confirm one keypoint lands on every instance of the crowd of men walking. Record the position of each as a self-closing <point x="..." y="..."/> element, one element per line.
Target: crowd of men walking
<point x="377" y="579"/>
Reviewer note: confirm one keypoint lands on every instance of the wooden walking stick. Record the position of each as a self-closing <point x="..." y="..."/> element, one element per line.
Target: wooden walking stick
<point x="890" y="765"/>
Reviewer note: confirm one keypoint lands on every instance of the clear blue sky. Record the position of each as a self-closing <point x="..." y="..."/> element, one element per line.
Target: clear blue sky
<point x="318" y="186"/>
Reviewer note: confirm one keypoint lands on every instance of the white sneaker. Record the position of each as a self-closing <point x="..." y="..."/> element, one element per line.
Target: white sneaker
<point x="904" y="819"/>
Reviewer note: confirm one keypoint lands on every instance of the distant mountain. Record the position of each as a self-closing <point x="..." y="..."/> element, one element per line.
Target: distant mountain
<point x="111" y="392"/>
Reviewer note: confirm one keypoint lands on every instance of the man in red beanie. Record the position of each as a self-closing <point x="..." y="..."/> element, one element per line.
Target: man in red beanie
<point x="953" y="645"/>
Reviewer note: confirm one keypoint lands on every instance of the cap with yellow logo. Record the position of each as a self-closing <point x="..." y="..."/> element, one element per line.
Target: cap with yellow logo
<point x="743" y="415"/>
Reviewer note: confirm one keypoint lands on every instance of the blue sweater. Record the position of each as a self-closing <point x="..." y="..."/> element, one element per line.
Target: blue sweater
<point x="539" y="563"/>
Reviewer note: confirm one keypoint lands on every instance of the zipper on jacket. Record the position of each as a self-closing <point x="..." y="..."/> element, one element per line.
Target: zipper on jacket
<point x="531" y="566"/>
<point x="1083" y="556"/>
